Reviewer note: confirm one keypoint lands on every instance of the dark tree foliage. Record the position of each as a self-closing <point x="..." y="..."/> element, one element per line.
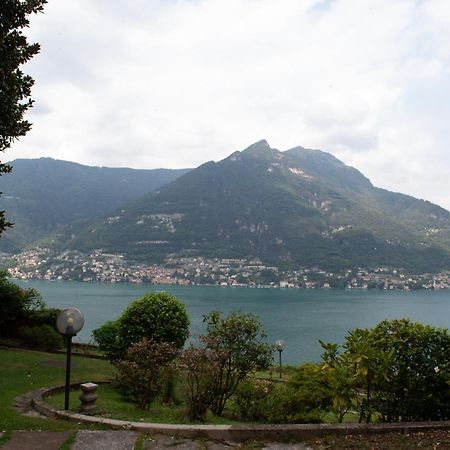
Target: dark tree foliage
<point x="15" y="86"/>
<point x="398" y="371"/>
<point x="15" y="304"/>
<point x="24" y="315"/>
<point x="200" y="366"/>
<point x="158" y="316"/>
<point x="143" y="370"/>
<point x="238" y="341"/>
<point x="418" y="379"/>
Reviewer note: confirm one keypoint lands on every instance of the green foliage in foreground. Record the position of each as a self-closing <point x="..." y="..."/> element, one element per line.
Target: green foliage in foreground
<point x="15" y="304"/>
<point x="23" y="371"/>
<point x="144" y="369"/>
<point x="397" y="371"/>
<point x="44" y="337"/>
<point x="24" y="315"/>
<point x="158" y="316"/>
<point x="240" y="348"/>
<point x="232" y="349"/>
<point x="419" y="375"/>
<point x="112" y="405"/>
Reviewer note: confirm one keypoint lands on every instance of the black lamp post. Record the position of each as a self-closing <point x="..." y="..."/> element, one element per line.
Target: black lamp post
<point x="69" y="322"/>
<point x="279" y="345"/>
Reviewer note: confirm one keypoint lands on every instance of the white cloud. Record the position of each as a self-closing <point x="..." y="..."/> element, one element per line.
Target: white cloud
<point x="175" y="83"/>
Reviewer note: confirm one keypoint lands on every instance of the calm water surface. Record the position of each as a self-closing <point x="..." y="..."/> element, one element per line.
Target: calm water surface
<point x="299" y="316"/>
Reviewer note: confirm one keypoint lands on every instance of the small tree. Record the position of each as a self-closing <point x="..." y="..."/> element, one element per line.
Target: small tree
<point x="339" y="376"/>
<point x="239" y="342"/>
<point x="158" y="316"/>
<point x="400" y="367"/>
<point x="418" y="386"/>
<point x="250" y="398"/>
<point x="200" y="366"/>
<point x="370" y="368"/>
<point x="142" y="372"/>
<point x="16" y="304"/>
<point x="109" y="340"/>
<point x="311" y="393"/>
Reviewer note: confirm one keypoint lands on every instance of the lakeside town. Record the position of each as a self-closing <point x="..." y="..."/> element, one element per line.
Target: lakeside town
<point x="98" y="266"/>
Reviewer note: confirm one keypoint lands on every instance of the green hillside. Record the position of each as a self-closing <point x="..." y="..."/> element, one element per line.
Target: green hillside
<point x="40" y="195"/>
<point x="298" y="207"/>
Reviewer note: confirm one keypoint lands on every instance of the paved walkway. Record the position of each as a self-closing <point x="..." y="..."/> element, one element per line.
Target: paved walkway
<point x="123" y="440"/>
<point x="105" y="440"/>
<point x="36" y="440"/>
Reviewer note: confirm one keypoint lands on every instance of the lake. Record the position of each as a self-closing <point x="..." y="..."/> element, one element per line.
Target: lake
<point x="298" y="316"/>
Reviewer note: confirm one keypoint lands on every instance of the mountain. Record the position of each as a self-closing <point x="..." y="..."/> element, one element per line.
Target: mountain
<point x="41" y="195"/>
<point x="299" y="207"/>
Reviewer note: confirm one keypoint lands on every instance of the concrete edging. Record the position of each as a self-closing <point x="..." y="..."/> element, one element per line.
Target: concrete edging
<point x="273" y="432"/>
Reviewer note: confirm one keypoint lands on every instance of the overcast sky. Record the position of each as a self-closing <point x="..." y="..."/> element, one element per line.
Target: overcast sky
<point x="175" y="83"/>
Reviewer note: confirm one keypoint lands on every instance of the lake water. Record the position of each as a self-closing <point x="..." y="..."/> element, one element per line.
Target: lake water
<point x="298" y="316"/>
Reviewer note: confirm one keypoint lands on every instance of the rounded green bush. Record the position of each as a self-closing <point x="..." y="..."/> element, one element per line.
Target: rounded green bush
<point x="158" y="316"/>
<point x="44" y="337"/>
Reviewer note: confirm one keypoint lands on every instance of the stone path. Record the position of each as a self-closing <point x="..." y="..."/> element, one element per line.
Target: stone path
<point x="124" y="440"/>
<point x="276" y="446"/>
<point x="36" y="440"/>
<point x="165" y="442"/>
<point x="105" y="440"/>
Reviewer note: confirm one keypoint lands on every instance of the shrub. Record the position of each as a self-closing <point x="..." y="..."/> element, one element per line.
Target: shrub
<point x="15" y="304"/>
<point x="417" y="385"/>
<point x="304" y="399"/>
<point x="44" y="337"/>
<point x="286" y="404"/>
<point x="238" y="341"/>
<point x="109" y="340"/>
<point x="250" y="397"/>
<point x="42" y="316"/>
<point x="397" y="371"/>
<point x="158" y="316"/>
<point x="311" y="388"/>
<point x="142" y="372"/>
<point x="200" y="367"/>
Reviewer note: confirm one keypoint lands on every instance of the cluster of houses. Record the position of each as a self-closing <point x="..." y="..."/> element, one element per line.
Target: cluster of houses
<point x="99" y="266"/>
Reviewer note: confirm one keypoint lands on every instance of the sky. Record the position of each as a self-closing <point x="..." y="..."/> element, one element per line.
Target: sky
<point x="175" y="83"/>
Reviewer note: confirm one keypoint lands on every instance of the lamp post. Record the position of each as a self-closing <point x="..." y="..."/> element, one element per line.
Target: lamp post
<point x="279" y="345"/>
<point x="69" y="322"/>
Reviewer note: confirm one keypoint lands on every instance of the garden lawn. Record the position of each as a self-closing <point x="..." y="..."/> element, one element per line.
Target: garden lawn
<point x="111" y="405"/>
<point x="22" y="371"/>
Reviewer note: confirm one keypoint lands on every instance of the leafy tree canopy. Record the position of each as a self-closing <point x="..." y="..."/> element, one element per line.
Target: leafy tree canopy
<point x="397" y="371"/>
<point x="158" y="316"/>
<point x="238" y="340"/>
<point x="16" y="304"/>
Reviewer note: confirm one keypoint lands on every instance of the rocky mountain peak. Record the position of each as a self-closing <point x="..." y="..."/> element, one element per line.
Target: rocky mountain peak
<point x="260" y="146"/>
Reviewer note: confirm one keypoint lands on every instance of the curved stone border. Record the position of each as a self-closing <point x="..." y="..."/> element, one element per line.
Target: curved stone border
<point x="229" y="432"/>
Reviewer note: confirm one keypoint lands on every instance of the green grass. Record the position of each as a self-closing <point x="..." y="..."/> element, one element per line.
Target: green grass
<point x="6" y="436"/>
<point x="68" y="442"/>
<point x="111" y="405"/>
<point x="22" y="371"/>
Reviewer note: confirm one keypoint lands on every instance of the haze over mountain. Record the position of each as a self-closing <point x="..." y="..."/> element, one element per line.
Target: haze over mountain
<point x="299" y="207"/>
<point x="43" y="194"/>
